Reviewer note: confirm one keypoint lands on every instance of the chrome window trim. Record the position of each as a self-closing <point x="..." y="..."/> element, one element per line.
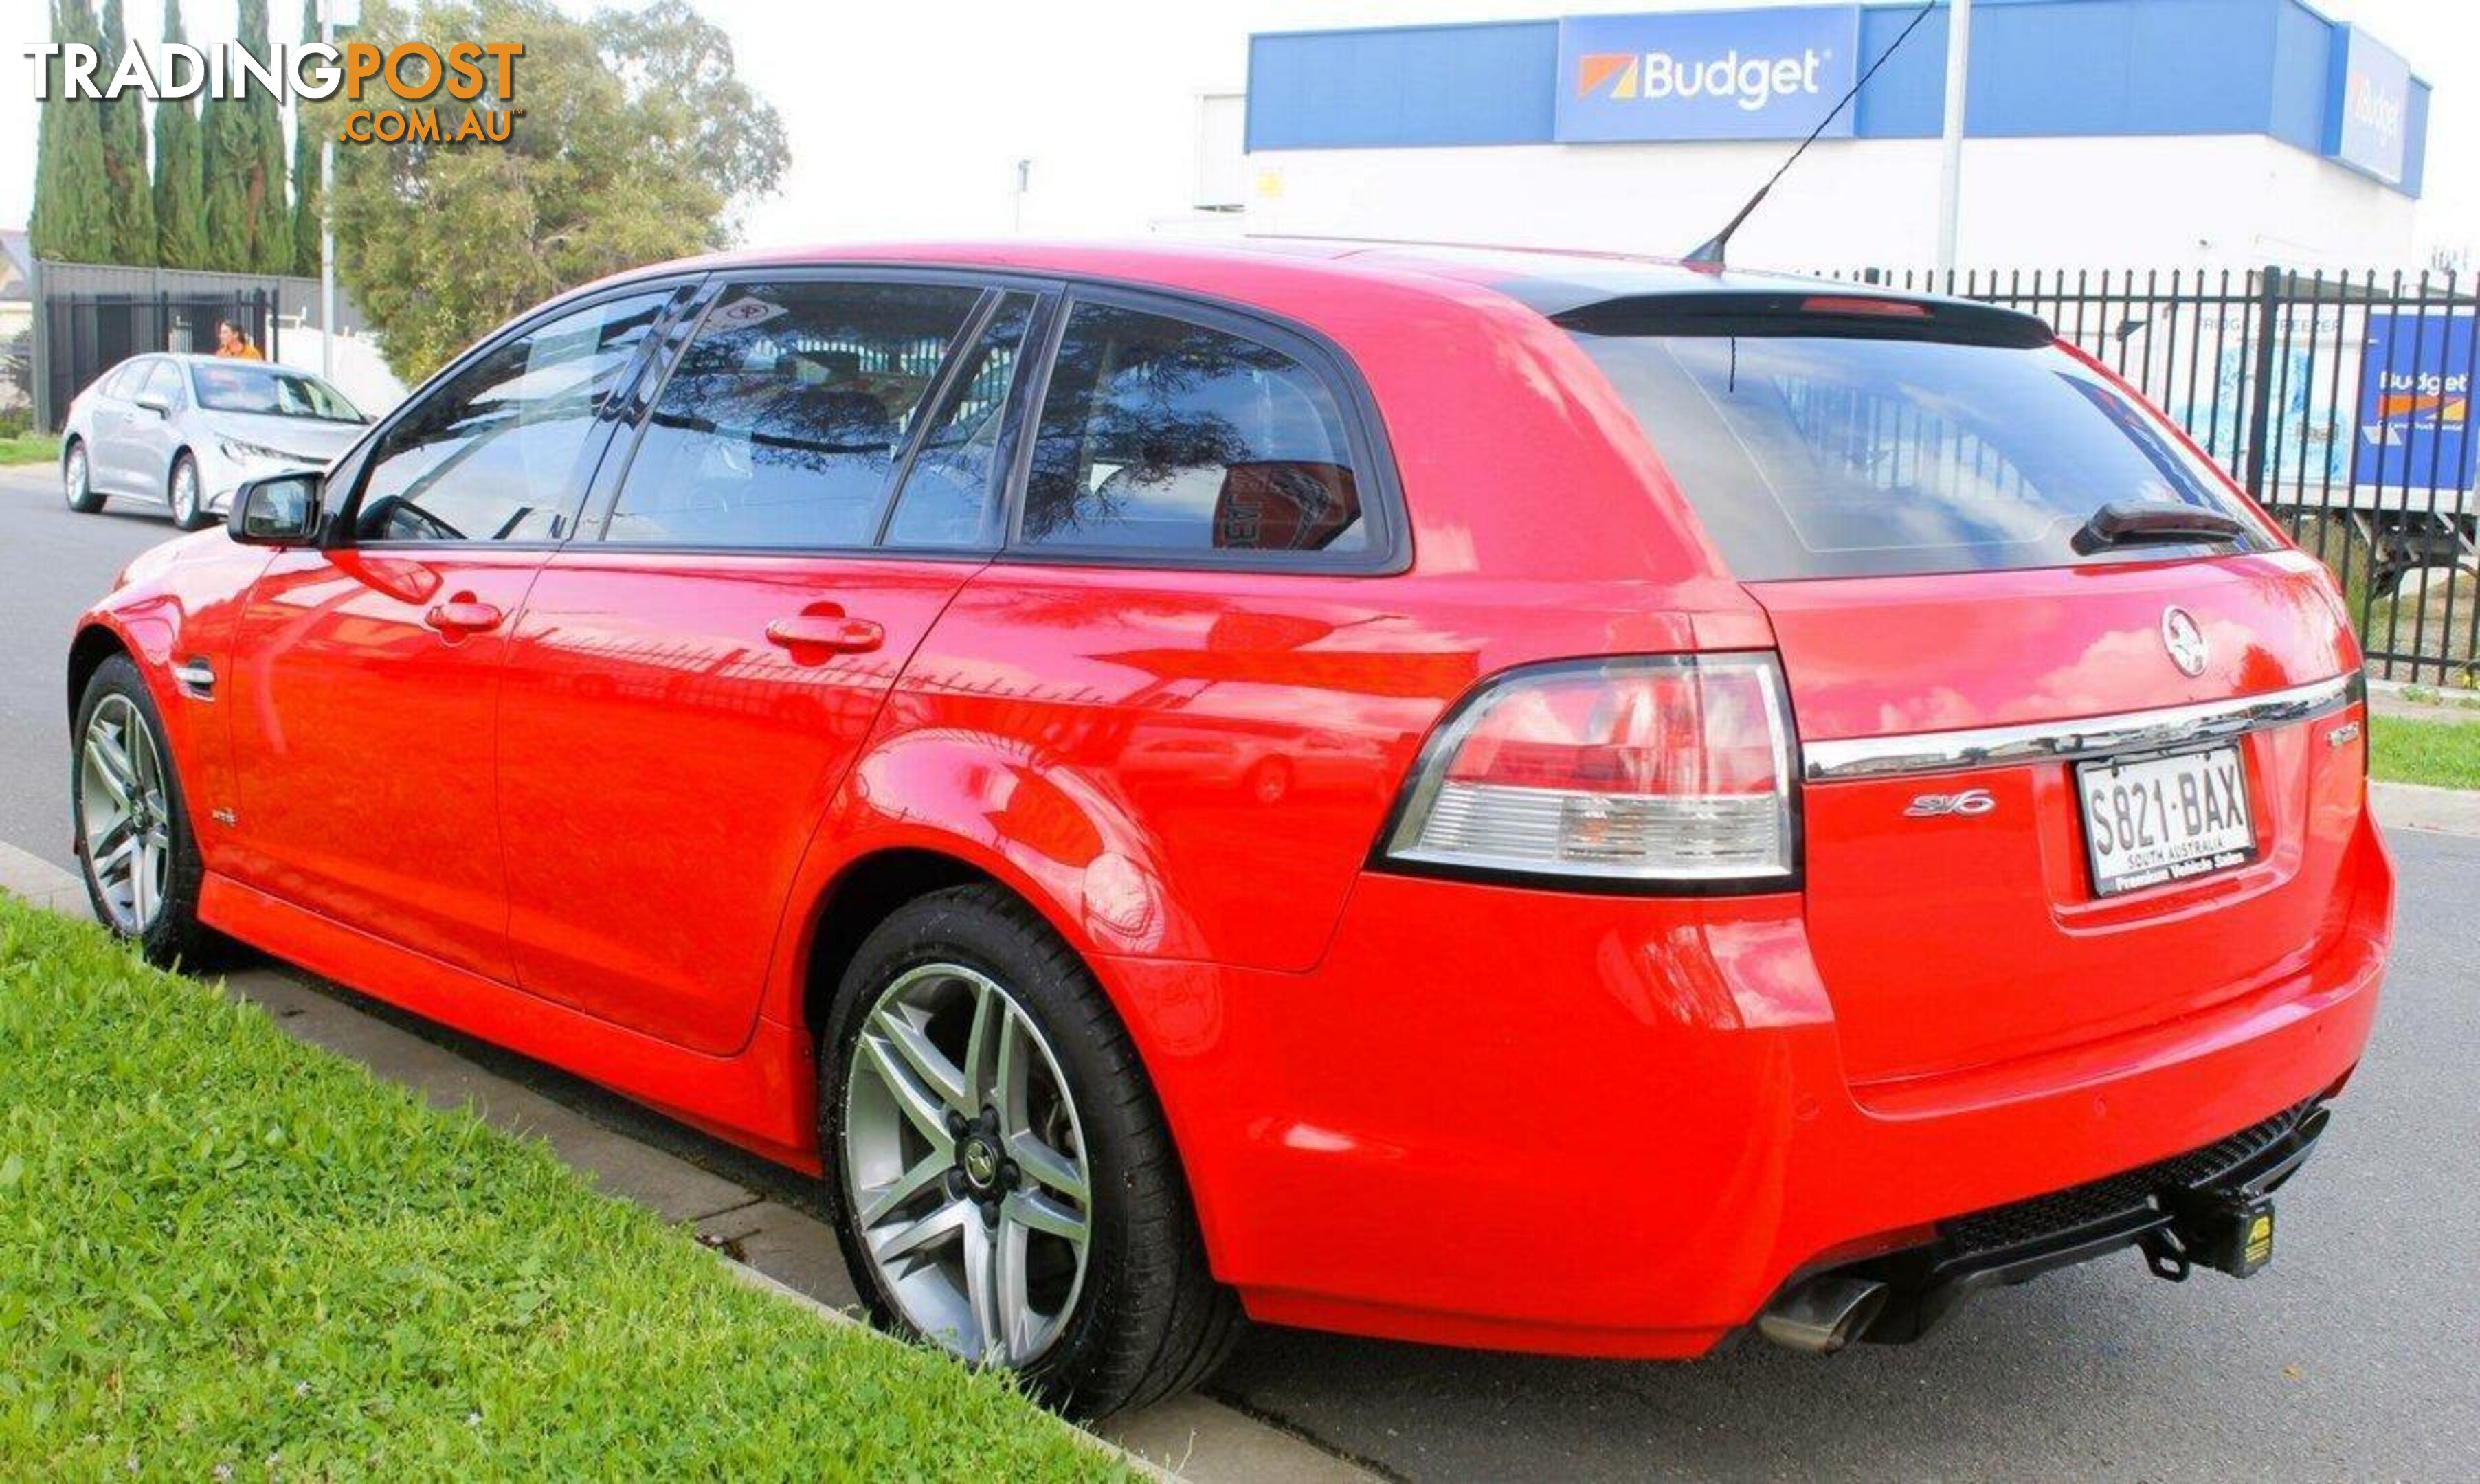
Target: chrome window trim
<point x="2092" y="736"/>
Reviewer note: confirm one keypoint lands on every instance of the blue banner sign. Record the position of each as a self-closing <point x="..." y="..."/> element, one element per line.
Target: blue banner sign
<point x="2368" y="106"/>
<point x="1711" y="75"/>
<point x="2415" y="404"/>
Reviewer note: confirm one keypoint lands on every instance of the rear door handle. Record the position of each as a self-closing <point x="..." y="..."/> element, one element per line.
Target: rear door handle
<point x="831" y="632"/>
<point x="463" y="616"/>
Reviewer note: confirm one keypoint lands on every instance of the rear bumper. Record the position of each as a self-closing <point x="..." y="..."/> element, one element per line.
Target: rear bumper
<point x="1519" y="1119"/>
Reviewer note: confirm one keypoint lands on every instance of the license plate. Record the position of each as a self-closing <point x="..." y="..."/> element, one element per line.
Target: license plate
<point x="2151" y="820"/>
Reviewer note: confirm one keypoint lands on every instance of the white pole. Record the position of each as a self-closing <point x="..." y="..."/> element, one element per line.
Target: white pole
<point x="1958" y="79"/>
<point x="327" y="220"/>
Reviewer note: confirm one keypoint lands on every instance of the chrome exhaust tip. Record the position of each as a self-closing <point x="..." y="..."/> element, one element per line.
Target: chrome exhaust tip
<point x="1823" y="1314"/>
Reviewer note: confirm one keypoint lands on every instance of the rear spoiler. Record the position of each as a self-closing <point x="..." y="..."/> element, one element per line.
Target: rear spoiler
<point x="1820" y="312"/>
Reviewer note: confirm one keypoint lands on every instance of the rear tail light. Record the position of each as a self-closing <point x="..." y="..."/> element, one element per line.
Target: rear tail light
<point x="1669" y="772"/>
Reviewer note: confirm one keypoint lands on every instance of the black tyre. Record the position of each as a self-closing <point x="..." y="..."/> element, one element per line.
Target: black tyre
<point x="135" y="847"/>
<point x="77" y="478"/>
<point x="1002" y="1179"/>
<point x="188" y="501"/>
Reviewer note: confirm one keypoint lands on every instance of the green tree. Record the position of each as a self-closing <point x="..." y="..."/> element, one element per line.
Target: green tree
<point x="249" y="229"/>
<point x="72" y="220"/>
<point x="130" y="200"/>
<point x="180" y="174"/>
<point x="306" y="184"/>
<point x="637" y="142"/>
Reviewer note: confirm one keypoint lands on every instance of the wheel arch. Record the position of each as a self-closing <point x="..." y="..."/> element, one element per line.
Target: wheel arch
<point x="874" y="882"/>
<point x="92" y="645"/>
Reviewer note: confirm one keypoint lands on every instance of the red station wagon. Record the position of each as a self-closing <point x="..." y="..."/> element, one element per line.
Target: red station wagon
<point x="1545" y="802"/>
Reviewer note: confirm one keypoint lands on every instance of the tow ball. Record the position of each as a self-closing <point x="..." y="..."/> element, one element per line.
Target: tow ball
<point x="2227" y="1232"/>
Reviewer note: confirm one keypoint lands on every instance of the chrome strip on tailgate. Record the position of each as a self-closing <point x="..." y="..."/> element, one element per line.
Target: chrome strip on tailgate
<point x="2090" y="736"/>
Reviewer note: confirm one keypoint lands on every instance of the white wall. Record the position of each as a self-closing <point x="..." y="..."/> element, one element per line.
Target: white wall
<point x="2239" y="200"/>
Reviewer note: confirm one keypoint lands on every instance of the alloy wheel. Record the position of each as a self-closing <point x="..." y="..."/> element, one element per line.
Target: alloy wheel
<point x="124" y="809"/>
<point x="75" y="476"/>
<point x="185" y="493"/>
<point x="964" y="1165"/>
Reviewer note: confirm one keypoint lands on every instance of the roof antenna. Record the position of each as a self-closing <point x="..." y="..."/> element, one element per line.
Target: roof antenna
<point x="1710" y="253"/>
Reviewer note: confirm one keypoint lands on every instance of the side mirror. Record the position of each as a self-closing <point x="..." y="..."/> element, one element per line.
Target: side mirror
<point x="281" y="510"/>
<point x="155" y="404"/>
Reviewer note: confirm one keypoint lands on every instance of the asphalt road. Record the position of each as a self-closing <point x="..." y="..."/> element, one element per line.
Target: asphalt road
<point x="2343" y="1361"/>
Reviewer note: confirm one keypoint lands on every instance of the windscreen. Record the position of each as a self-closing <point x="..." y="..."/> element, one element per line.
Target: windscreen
<point x="1821" y="456"/>
<point x="274" y="393"/>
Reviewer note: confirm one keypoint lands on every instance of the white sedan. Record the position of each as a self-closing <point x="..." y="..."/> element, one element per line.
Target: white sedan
<point x="184" y="431"/>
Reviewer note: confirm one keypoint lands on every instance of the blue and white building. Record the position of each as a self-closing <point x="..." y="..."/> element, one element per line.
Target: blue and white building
<point x="2098" y="132"/>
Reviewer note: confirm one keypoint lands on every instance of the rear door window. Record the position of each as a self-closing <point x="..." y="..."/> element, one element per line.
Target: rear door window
<point x="1817" y="456"/>
<point x="1160" y="436"/>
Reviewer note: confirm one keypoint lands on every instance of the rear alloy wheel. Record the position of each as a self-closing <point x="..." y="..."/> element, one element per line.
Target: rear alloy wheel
<point x="1003" y="1182"/>
<point x="77" y="479"/>
<point x="187" y="511"/>
<point x="966" y="1166"/>
<point x="139" y="859"/>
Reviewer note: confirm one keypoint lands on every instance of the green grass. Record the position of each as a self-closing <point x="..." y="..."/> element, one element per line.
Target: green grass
<point x="223" y="1254"/>
<point x="2442" y="754"/>
<point x="30" y="449"/>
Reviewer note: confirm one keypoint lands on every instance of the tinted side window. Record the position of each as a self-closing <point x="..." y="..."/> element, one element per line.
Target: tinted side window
<point x="950" y="497"/>
<point x="783" y="423"/>
<point x="122" y="381"/>
<point x="164" y="380"/>
<point x="1161" y="435"/>
<point x="494" y="453"/>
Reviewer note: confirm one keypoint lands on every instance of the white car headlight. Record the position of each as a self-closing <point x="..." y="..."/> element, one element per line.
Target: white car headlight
<point x="235" y="448"/>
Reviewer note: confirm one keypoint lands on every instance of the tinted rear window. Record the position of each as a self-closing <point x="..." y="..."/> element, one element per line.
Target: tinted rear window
<point x="1841" y="456"/>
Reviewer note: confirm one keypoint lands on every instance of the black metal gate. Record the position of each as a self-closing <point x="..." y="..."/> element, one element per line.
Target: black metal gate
<point x="2342" y="402"/>
<point x="87" y="334"/>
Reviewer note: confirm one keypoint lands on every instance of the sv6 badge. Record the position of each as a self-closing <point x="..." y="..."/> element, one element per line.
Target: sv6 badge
<point x="1970" y="802"/>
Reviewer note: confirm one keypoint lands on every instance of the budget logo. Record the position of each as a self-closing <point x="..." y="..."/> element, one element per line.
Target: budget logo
<point x="1705" y="76"/>
<point x="1612" y="74"/>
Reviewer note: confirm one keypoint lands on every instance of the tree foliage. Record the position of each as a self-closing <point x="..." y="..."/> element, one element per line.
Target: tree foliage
<point x="249" y="228"/>
<point x="130" y="197"/>
<point x="71" y="222"/>
<point x="638" y="142"/>
<point x="305" y="168"/>
<point x="180" y="172"/>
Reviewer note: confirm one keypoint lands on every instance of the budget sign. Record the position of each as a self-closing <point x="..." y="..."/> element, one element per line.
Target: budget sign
<point x="1712" y="75"/>
<point x="2415" y="404"/>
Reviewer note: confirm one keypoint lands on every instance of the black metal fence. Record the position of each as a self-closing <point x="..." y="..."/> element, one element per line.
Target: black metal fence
<point x="2341" y="401"/>
<point x="87" y="334"/>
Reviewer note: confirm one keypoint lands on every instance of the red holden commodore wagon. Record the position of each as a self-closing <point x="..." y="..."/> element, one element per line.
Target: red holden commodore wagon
<point x="1545" y="802"/>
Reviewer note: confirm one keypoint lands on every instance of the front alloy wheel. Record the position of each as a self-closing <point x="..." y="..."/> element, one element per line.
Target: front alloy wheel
<point x="964" y="1166"/>
<point x="187" y="513"/>
<point x="125" y="815"/>
<point x="131" y="819"/>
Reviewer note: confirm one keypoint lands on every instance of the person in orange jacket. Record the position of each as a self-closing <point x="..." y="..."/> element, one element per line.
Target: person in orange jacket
<point x="234" y="342"/>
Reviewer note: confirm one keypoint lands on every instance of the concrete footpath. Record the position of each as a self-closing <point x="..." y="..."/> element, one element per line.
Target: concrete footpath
<point x="744" y="1216"/>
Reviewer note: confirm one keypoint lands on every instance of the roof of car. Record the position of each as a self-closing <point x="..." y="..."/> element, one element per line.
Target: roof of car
<point x="1549" y="281"/>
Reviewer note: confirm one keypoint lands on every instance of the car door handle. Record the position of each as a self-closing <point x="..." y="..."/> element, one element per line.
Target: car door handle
<point x="463" y="616"/>
<point x="833" y="632"/>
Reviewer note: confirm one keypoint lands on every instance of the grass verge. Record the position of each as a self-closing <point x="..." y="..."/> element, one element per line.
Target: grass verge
<point x="30" y="449"/>
<point x="2446" y="754"/>
<point x="226" y="1255"/>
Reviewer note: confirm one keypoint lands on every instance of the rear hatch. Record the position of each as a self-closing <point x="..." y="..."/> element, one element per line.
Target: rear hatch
<point x="2080" y="733"/>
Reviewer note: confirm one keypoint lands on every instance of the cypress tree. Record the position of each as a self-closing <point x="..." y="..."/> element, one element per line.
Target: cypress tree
<point x="306" y="182"/>
<point x="129" y="200"/>
<point x="247" y="228"/>
<point x="71" y="221"/>
<point x="272" y="238"/>
<point x="180" y="180"/>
